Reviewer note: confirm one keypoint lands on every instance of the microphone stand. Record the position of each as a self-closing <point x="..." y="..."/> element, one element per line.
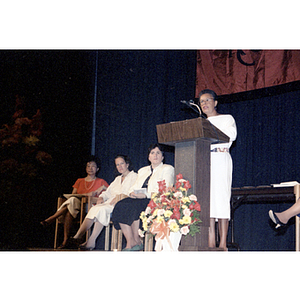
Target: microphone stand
<point x="191" y="105"/>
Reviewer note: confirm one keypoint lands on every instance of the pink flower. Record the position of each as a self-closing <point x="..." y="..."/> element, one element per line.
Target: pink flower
<point x="197" y="206"/>
<point x="177" y="185"/>
<point x="162" y="186"/>
<point x="178" y="194"/>
<point x="176" y="213"/>
<point x="186" y="212"/>
<point x="160" y="212"/>
<point x="152" y="204"/>
<point x="184" y="230"/>
<point x="187" y="185"/>
<point x="193" y="197"/>
<point x="179" y="176"/>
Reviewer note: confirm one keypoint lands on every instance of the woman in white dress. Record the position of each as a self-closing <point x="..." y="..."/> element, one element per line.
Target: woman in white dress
<point x="99" y="215"/>
<point x="221" y="168"/>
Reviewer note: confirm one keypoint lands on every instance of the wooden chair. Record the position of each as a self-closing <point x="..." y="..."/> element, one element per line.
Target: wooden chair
<point x="116" y="238"/>
<point x="86" y="204"/>
<point x="60" y="201"/>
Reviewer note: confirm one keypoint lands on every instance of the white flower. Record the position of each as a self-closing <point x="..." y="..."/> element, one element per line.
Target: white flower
<point x="193" y="197"/>
<point x="160" y="212"/>
<point x="150" y="219"/>
<point x="148" y="210"/>
<point x="172" y="221"/>
<point x="187" y="212"/>
<point x="184" y="230"/>
<point x="141" y="234"/>
<point x="178" y="194"/>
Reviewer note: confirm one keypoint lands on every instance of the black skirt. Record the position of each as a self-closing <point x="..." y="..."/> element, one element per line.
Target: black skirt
<point x="128" y="210"/>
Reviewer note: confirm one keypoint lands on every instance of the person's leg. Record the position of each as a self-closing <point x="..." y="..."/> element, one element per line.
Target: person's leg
<point x="67" y="228"/>
<point x="56" y="215"/>
<point x="212" y="234"/>
<point x="289" y="213"/>
<point x="135" y="230"/>
<point x="223" y="230"/>
<point x="85" y="226"/>
<point x="128" y="233"/>
<point x="91" y="243"/>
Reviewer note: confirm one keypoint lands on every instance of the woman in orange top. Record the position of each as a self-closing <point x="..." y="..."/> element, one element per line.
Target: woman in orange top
<point x="88" y="186"/>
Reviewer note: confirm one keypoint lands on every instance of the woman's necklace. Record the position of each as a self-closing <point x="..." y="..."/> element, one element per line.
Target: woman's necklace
<point x="93" y="182"/>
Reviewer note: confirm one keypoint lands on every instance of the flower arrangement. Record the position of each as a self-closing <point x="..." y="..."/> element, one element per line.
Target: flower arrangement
<point x="172" y="210"/>
<point x="20" y="153"/>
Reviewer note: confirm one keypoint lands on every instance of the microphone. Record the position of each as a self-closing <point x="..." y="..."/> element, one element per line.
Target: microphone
<point x="190" y="104"/>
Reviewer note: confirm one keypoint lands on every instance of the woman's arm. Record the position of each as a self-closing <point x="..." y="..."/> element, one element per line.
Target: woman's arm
<point x="100" y="200"/>
<point x="229" y="128"/>
<point x="117" y="199"/>
<point x="97" y="192"/>
<point x="139" y="195"/>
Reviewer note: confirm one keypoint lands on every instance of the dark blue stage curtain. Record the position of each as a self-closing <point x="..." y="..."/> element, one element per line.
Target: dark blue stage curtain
<point x="266" y="149"/>
<point x="266" y="152"/>
<point x="139" y="89"/>
<point x="136" y="91"/>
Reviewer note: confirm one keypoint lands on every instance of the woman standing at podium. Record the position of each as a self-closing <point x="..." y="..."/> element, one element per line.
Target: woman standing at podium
<point x="221" y="168"/>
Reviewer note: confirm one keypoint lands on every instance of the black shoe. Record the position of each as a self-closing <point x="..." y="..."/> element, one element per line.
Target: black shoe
<point x="44" y="224"/>
<point x="72" y="243"/>
<point x="62" y="246"/>
<point x="84" y="248"/>
<point x="275" y="220"/>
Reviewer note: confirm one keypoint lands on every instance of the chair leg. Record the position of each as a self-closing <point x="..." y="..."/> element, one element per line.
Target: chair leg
<point x="120" y="234"/>
<point x="114" y="238"/>
<point x="55" y="234"/>
<point x="60" y="201"/>
<point x="148" y="242"/>
<point x="106" y="245"/>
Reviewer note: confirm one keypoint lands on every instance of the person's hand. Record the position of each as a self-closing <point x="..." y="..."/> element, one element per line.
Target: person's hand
<point x="100" y="200"/>
<point x="98" y="192"/>
<point x="113" y="201"/>
<point x="139" y="195"/>
<point x="95" y="194"/>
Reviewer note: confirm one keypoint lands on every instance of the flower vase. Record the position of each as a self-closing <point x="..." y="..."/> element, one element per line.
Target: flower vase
<point x="174" y="239"/>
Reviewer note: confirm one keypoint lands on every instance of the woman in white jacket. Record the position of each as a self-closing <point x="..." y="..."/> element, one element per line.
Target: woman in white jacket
<point x="99" y="215"/>
<point x="127" y="212"/>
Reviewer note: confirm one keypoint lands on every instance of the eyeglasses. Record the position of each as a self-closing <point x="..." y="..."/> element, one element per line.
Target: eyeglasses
<point x="207" y="100"/>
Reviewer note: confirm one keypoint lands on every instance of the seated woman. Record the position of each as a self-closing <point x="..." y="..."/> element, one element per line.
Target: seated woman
<point x="99" y="215"/>
<point x="280" y="219"/>
<point x="88" y="186"/>
<point x="126" y="213"/>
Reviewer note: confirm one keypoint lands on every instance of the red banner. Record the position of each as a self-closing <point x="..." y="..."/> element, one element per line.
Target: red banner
<point x="234" y="71"/>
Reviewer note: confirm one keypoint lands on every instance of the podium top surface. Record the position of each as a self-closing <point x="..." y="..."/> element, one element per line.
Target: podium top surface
<point x="189" y="130"/>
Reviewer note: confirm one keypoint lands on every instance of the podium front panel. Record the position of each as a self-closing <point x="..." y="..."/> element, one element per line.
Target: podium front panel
<point x="192" y="160"/>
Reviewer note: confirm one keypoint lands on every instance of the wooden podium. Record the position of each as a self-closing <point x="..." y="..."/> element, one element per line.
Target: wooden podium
<point x="192" y="139"/>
